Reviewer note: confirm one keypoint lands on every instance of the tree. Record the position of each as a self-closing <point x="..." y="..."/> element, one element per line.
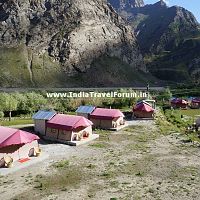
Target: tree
<point x="165" y="95"/>
<point x="22" y="101"/>
<point x="1" y="114"/>
<point x="35" y="102"/>
<point x="8" y="103"/>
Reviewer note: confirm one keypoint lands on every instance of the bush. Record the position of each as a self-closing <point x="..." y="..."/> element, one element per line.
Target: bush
<point x="1" y="114"/>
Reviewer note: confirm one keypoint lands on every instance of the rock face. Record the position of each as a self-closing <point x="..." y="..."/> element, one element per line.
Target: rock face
<point x="158" y="27"/>
<point x="170" y="33"/>
<point x="194" y="69"/>
<point x="165" y="29"/>
<point x="126" y="4"/>
<point x="60" y="38"/>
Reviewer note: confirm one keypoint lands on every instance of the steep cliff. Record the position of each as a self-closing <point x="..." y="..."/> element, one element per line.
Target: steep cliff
<point x="159" y="27"/>
<point x="168" y="38"/>
<point x="126" y="4"/>
<point x="44" y="42"/>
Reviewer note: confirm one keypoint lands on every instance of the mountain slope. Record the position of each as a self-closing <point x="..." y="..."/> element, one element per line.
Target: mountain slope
<point x="168" y="38"/>
<point x="179" y="65"/>
<point x="60" y="39"/>
<point x="158" y="27"/>
<point x="120" y="5"/>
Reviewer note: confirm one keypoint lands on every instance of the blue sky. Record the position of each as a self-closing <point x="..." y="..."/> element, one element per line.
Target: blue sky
<point x="191" y="5"/>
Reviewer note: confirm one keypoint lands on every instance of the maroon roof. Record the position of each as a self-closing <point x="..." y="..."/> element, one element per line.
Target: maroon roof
<point x="144" y="107"/>
<point x="179" y="101"/>
<point x="10" y="136"/>
<point x="68" y="122"/>
<point x="106" y="114"/>
<point x="196" y="100"/>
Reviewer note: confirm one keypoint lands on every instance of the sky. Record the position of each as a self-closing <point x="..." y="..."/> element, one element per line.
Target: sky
<point x="191" y="5"/>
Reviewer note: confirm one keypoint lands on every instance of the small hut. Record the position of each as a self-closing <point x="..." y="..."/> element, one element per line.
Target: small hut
<point x="107" y="118"/>
<point x="68" y="128"/>
<point x="179" y="103"/>
<point x="16" y="144"/>
<point x="143" y="110"/>
<point x="195" y="103"/>
<point x="40" y="118"/>
<point x="85" y="111"/>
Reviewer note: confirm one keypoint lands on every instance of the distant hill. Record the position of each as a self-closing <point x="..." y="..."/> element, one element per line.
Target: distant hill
<point x="168" y="38"/>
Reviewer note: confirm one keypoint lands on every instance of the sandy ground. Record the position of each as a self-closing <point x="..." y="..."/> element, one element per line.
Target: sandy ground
<point x="134" y="163"/>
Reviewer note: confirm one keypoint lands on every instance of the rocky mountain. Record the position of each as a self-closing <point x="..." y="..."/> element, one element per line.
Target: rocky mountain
<point x="159" y="27"/>
<point x="121" y="5"/>
<point x="165" y="34"/>
<point x="46" y="43"/>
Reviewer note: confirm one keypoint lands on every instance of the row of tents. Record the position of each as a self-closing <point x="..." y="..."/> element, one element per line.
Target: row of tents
<point x="183" y="103"/>
<point x="72" y="128"/>
<point x="19" y="145"/>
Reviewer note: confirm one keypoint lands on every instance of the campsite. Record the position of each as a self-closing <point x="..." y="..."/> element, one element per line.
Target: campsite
<point x="149" y="157"/>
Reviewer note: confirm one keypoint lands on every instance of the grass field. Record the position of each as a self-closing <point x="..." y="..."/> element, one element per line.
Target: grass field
<point x="190" y="112"/>
<point x="16" y="122"/>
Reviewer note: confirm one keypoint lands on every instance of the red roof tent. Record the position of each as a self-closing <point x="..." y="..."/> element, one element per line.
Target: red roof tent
<point x="179" y="101"/>
<point x="68" y="122"/>
<point x="143" y="106"/>
<point x="10" y="136"/>
<point x="106" y="114"/>
<point x="196" y="100"/>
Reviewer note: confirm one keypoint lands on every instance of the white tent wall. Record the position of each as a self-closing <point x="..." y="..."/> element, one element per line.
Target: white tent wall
<point x="87" y="129"/>
<point x="22" y="152"/>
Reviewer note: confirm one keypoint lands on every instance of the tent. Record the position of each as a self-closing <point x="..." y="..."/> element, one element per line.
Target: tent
<point x="107" y="118"/>
<point x="16" y="143"/>
<point x="179" y="103"/>
<point x="195" y="103"/>
<point x="68" y="128"/>
<point x="143" y="110"/>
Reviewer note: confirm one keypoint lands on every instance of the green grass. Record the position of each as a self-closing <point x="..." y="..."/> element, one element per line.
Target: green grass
<point x="13" y="67"/>
<point x="61" y="164"/>
<point x="164" y="125"/>
<point x="98" y="145"/>
<point x="63" y="179"/>
<point x="16" y="122"/>
<point x="174" y="117"/>
<point x="190" y="112"/>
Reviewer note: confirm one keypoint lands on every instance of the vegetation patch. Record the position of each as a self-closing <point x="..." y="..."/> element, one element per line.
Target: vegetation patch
<point x="64" y="178"/>
<point x="190" y="112"/>
<point x="16" y="122"/>
<point x="61" y="164"/>
<point x="165" y="127"/>
<point x="99" y="145"/>
<point x="132" y="128"/>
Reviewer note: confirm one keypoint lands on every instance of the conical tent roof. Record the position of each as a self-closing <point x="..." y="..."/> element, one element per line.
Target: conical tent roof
<point x="143" y="106"/>
<point x="9" y="136"/>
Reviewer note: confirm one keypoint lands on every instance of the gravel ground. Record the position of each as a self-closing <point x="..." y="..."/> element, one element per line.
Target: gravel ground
<point x="135" y="163"/>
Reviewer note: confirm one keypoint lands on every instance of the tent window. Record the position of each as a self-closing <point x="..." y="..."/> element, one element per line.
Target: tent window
<point x="63" y="132"/>
<point x="53" y="130"/>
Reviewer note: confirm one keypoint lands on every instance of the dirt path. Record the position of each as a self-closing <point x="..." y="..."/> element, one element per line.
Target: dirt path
<point x="135" y="163"/>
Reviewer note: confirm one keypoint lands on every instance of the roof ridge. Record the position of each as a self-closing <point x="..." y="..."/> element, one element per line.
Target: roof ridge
<point x="11" y="134"/>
